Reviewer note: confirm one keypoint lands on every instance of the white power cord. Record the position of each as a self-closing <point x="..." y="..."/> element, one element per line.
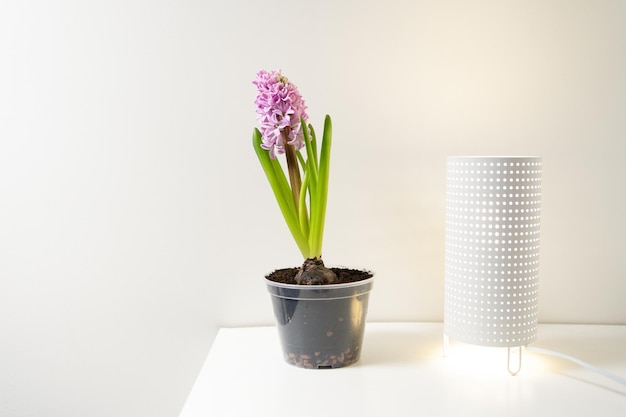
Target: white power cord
<point x="593" y="368"/>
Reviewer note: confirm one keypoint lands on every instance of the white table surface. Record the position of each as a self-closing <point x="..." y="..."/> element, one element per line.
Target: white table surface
<point x="402" y="372"/>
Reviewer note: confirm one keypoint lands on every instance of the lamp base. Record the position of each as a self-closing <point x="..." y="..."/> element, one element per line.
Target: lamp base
<point x="510" y="357"/>
<point x="519" y="360"/>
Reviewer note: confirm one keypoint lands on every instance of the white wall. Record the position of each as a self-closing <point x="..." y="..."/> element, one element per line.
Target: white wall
<point x="135" y="220"/>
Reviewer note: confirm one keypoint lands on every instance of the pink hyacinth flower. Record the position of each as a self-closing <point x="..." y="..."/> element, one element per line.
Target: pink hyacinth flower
<point x="279" y="109"/>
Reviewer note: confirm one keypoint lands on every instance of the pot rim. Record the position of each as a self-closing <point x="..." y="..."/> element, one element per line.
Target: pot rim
<point x="319" y="292"/>
<point x="319" y="287"/>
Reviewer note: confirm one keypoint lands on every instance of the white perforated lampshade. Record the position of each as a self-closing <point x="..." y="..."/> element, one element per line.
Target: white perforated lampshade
<point x="493" y="207"/>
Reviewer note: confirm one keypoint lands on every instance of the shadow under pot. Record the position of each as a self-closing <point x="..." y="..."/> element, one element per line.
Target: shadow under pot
<point x="321" y="326"/>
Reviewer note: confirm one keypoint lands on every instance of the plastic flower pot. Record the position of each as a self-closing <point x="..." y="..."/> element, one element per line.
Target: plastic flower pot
<point x="321" y="326"/>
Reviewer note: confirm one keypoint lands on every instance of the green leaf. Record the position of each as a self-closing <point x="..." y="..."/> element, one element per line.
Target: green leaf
<point x="314" y="144"/>
<point x="303" y="215"/>
<point x="282" y="193"/>
<point x="320" y="197"/>
<point x="311" y="157"/>
<point x="301" y="160"/>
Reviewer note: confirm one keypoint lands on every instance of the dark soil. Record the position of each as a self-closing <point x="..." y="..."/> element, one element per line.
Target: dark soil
<point x="344" y="275"/>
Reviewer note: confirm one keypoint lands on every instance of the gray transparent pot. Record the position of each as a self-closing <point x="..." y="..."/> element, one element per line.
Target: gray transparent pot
<point x="321" y="326"/>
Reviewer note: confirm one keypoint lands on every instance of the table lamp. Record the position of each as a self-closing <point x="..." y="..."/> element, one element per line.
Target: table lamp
<point x="493" y="208"/>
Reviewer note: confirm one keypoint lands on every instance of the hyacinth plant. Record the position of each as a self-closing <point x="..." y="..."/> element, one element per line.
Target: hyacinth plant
<point x="302" y="197"/>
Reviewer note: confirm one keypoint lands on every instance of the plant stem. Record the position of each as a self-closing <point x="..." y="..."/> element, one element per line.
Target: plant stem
<point x="294" y="171"/>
